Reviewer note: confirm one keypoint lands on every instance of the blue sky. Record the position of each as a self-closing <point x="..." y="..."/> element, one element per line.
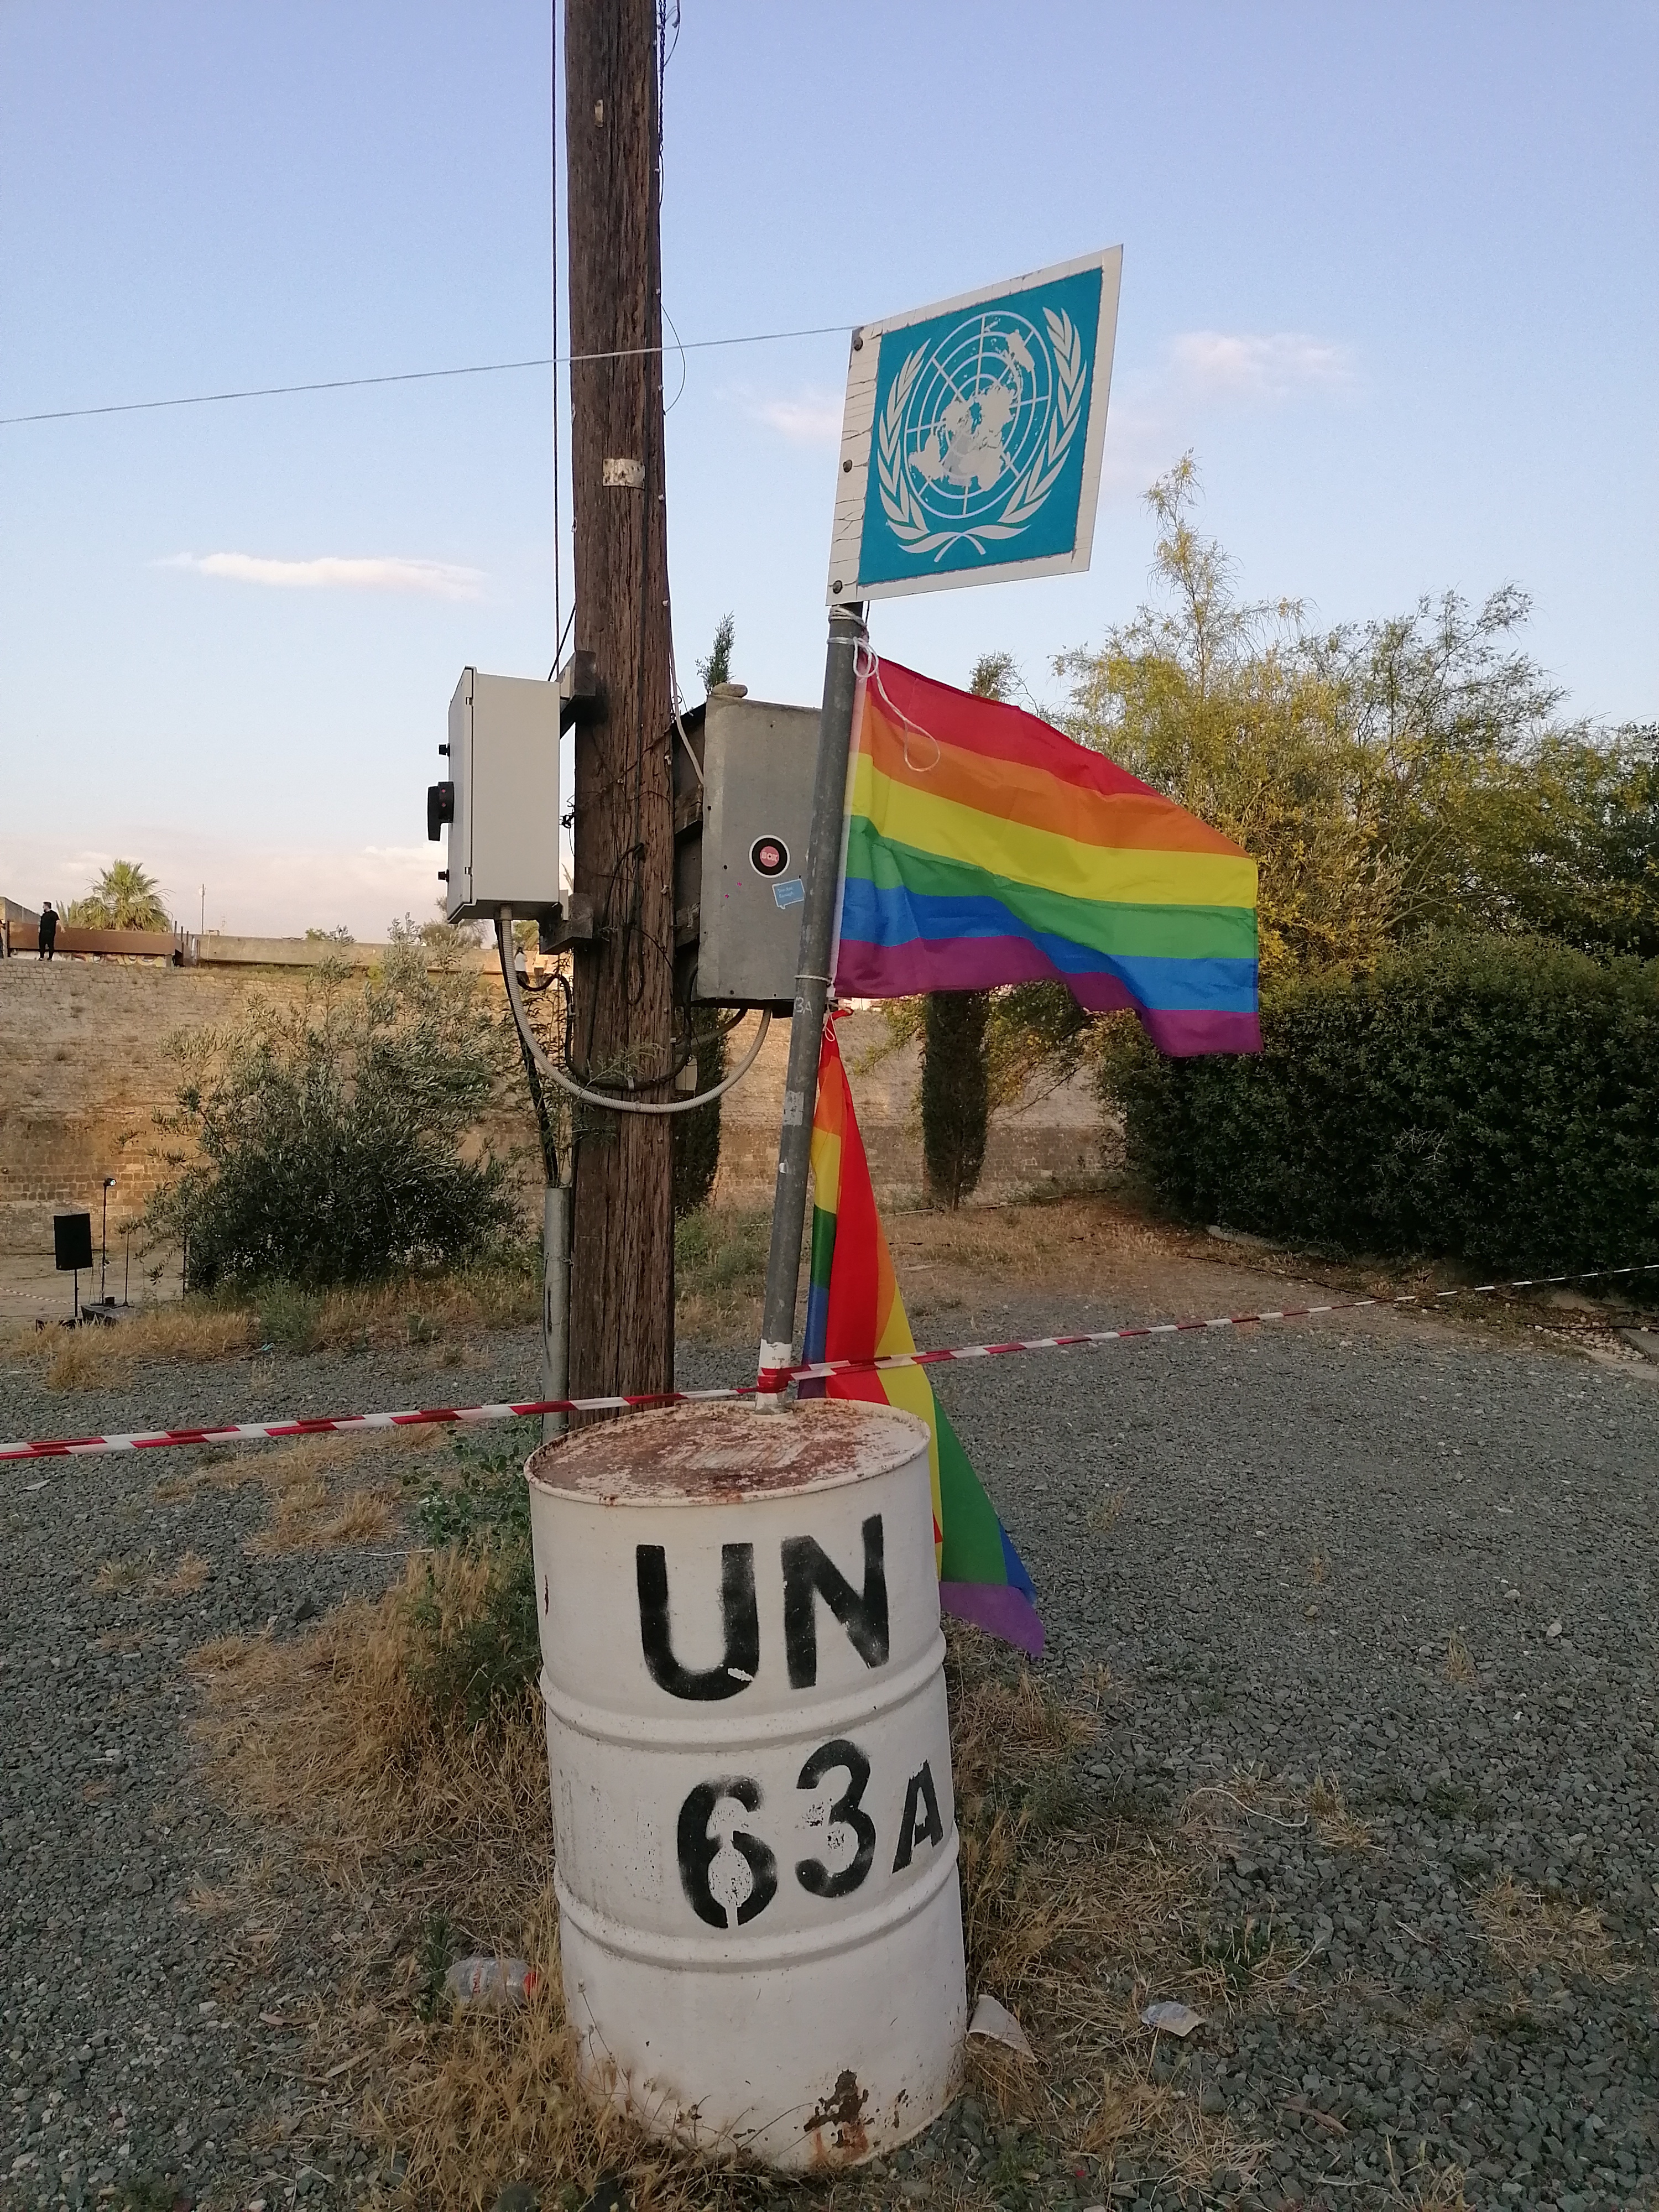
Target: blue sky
<point x="1391" y="272"/>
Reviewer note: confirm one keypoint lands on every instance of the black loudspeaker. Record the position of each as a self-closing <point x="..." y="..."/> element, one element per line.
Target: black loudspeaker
<point x="71" y="1241"/>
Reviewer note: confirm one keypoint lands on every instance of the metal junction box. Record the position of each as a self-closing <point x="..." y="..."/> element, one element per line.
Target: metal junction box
<point x="740" y="846"/>
<point x="501" y="798"/>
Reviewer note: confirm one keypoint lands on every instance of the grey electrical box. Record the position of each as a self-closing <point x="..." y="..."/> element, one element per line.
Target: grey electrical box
<point x="740" y="858"/>
<point x="501" y="798"/>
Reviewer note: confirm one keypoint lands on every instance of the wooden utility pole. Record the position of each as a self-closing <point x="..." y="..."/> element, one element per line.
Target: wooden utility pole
<point x="621" y="1271"/>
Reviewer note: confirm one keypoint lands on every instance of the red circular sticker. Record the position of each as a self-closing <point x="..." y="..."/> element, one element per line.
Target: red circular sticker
<point x="769" y="856"/>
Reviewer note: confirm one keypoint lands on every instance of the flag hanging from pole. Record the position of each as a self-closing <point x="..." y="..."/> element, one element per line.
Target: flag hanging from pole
<point x="984" y="848"/>
<point x="853" y="1311"/>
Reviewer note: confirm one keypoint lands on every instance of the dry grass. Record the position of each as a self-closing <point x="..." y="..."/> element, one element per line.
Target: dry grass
<point x="719" y="1273"/>
<point x="117" y="1576"/>
<point x="139" y="1575"/>
<point x="77" y="1362"/>
<point x="421" y="1311"/>
<point x="303" y="1479"/>
<point x="328" y="1742"/>
<point x="436" y="1311"/>
<point x="208" y="1900"/>
<point x="1212" y="1815"/>
<point x="1064" y="1241"/>
<point x="1460" y="1664"/>
<point x="1069" y="1246"/>
<point x="1319" y="1568"/>
<point x="1193" y="2147"/>
<point x="1337" y="1828"/>
<point x="1527" y="1931"/>
<point x="330" y="1738"/>
<point x="1104" y="1515"/>
<point x="191" y="1573"/>
<point x="102" y="1358"/>
<point x="297" y="1515"/>
<point x="363" y="1516"/>
<point x="287" y="1463"/>
<point x="1424" y="2187"/>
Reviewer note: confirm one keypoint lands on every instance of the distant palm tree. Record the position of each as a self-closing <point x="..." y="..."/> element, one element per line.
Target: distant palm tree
<point x="123" y="897"/>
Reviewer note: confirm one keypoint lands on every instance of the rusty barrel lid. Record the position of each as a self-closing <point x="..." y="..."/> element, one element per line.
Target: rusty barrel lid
<point x="720" y="1455"/>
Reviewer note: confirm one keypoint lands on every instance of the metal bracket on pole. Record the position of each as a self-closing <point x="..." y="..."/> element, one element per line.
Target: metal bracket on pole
<point x="817" y="927"/>
<point x="578" y="692"/>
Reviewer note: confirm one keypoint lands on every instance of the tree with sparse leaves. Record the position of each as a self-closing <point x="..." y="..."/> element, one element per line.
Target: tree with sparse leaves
<point x="1389" y="776"/>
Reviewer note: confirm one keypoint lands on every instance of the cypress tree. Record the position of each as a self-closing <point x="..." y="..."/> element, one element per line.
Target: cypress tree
<point x="956" y="1087"/>
<point x="955" y="1092"/>
<point x="697" y="1135"/>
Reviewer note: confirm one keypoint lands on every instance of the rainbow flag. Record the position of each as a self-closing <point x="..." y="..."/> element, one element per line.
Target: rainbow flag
<point x="853" y="1311"/>
<point x="984" y="848"/>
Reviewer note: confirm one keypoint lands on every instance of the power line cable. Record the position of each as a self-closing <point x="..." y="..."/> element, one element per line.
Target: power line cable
<point x="417" y="375"/>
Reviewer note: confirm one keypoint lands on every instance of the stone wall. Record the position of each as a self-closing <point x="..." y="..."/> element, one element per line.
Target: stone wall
<point x="85" y="1068"/>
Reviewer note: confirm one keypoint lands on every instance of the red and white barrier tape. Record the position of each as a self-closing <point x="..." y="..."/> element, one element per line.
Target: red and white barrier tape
<point x="773" y="1380"/>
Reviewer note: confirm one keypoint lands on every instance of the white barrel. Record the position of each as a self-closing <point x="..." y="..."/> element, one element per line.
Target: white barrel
<point x="759" y="1912"/>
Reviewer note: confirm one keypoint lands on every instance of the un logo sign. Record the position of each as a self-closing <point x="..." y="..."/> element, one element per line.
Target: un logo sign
<point x="977" y="429"/>
<point x="970" y="446"/>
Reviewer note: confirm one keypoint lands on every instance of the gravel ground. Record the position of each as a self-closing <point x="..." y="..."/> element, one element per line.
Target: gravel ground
<point x="1304" y="1519"/>
<point x="1307" y="1517"/>
<point x="138" y="2031"/>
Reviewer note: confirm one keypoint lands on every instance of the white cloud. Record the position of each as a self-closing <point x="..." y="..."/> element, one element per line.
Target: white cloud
<point x="253" y="889"/>
<point x="812" y="418"/>
<point x="1241" y="365"/>
<point x="334" y="572"/>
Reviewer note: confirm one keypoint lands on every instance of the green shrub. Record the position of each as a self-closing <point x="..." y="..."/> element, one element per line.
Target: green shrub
<point x="1490" y="1100"/>
<point x="719" y="1256"/>
<point x="474" y="1659"/>
<point x="329" y="1134"/>
<point x="289" y="1317"/>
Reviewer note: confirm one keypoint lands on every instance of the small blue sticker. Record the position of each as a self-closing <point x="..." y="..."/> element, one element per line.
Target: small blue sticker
<point x="790" y="894"/>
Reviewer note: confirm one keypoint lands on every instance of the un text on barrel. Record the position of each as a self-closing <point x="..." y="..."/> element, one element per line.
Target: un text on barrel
<point x="760" y="1916"/>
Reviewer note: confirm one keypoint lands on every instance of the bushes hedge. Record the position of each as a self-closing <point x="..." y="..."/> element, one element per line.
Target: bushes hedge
<point x="1490" y="1100"/>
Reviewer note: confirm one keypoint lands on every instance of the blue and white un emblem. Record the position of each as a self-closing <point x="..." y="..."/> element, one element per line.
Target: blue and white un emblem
<point x="979" y="432"/>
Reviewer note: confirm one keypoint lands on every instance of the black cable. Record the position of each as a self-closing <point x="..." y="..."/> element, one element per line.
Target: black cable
<point x="413" y="376"/>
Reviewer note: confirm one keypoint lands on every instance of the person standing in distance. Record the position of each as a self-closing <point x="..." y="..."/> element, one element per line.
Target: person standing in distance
<point x="48" y="942"/>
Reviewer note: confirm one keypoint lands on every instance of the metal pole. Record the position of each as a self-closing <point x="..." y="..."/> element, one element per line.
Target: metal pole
<point x="556" y="1303"/>
<point x="817" y="924"/>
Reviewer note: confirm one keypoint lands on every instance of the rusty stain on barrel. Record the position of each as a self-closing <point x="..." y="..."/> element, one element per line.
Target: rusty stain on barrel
<point x="755" y="1830"/>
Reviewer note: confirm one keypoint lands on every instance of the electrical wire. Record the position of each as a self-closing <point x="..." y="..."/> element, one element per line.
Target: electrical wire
<point x="420" y="375"/>
<point x="555" y="1073"/>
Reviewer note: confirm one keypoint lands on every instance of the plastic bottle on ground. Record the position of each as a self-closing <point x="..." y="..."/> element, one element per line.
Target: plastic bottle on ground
<point x="490" y="1984"/>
